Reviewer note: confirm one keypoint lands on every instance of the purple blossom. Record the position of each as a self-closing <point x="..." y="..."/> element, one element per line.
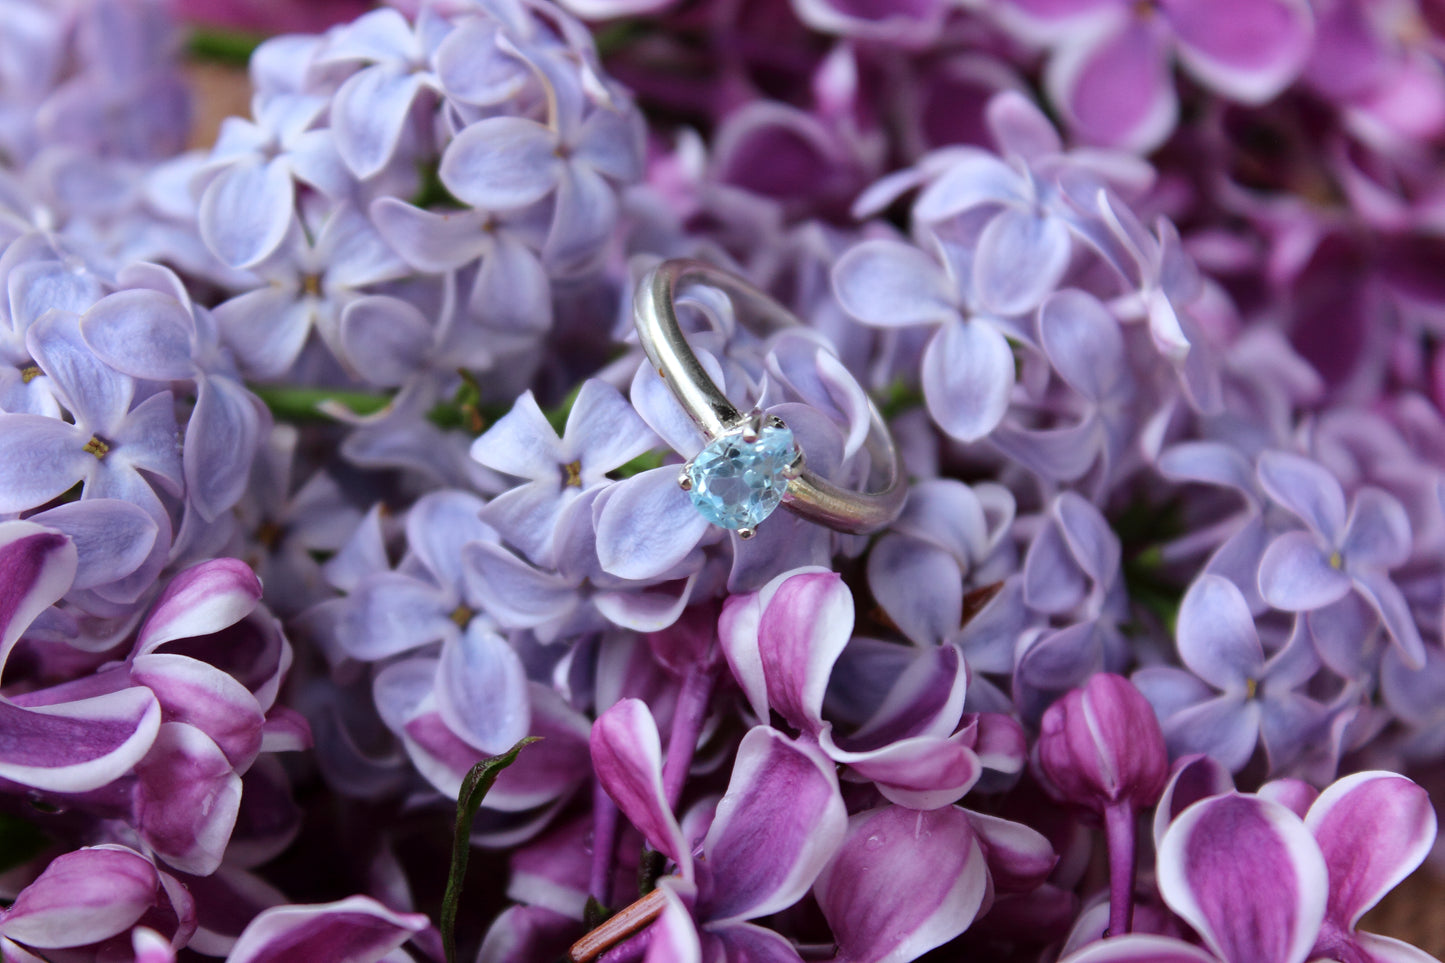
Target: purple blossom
<point x="1303" y="571"/>
<point x="1109" y="71"/>
<point x="1233" y="694"/>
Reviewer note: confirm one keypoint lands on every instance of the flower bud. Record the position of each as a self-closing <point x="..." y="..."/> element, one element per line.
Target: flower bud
<point x="1102" y="745"/>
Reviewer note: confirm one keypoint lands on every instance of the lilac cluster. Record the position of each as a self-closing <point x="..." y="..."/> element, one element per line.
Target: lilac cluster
<point x="331" y="467"/>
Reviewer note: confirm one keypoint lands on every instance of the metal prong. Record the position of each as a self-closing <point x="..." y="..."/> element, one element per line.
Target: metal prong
<point x="683" y="481"/>
<point x="775" y="422"/>
<point x="746" y="533"/>
<point x="794" y="467"/>
<point x="753" y="425"/>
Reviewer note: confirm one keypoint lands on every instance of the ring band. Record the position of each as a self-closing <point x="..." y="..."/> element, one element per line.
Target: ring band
<point x="806" y="494"/>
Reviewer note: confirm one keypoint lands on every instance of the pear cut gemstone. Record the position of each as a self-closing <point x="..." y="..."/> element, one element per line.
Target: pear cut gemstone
<point x="736" y="483"/>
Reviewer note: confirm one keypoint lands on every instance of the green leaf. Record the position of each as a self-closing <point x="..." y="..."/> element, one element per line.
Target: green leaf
<point x="475" y="787"/>
<point x="303" y="404"/>
<point x="232" y="47"/>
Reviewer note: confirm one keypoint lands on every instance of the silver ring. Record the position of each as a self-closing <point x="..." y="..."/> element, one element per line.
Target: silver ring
<point x="738" y="443"/>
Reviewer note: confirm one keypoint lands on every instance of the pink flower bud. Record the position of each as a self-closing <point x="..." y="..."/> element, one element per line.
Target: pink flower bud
<point x="1101" y="745"/>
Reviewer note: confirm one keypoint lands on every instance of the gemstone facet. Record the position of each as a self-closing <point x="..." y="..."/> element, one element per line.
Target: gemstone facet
<point x="736" y="483"/>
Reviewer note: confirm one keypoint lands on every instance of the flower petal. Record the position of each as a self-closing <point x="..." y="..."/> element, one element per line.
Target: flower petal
<point x="647" y="525"/>
<point x="1019" y="259"/>
<point x="968" y="374"/>
<point x="1115" y="89"/>
<point x="903" y="882"/>
<point x="1226" y="728"/>
<point x="368" y="114"/>
<point x="892" y="284"/>
<point x="779" y="822"/>
<point x="1295" y="575"/>
<point x="627" y="755"/>
<point x="1307" y="489"/>
<point x="1377" y="533"/>
<point x="203" y="696"/>
<point x="1394" y="612"/>
<point x="202" y="600"/>
<point x="502" y="163"/>
<point x="1247" y="50"/>
<point x="246" y="212"/>
<point x="918" y="585"/>
<point x="1216" y="634"/>
<point x="481" y="690"/>
<point x="83" y="897"/>
<point x="1247" y="875"/>
<point x="1083" y="342"/>
<point x="805" y="625"/>
<point x="37" y="567"/>
<point x="357" y="929"/>
<point x="186" y="799"/>
<point x="142" y="333"/>
<point x="78" y="746"/>
<point x="1374" y="829"/>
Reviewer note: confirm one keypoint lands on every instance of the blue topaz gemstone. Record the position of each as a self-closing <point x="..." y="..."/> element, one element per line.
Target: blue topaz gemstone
<point x="736" y="483"/>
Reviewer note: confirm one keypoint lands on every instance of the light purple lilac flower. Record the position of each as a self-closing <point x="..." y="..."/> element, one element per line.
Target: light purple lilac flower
<point x="1303" y="571"/>
<point x="1233" y="695"/>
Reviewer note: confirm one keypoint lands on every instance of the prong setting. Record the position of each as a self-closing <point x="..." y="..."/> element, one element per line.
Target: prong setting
<point x="746" y="533"/>
<point x="684" y="481"/>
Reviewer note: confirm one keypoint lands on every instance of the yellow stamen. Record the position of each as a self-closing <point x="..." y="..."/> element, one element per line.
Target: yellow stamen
<point x="311" y="284"/>
<point x="462" y="616"/>
<point x="1337" y="561"/>
<point x="573" y="470"/>
<point x="29" y="373"/>
<point x="1251" y="688"/>
<point x="97" y="447"/>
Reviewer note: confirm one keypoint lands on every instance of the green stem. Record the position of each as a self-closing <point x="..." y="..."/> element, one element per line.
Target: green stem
<point x="230" y="47"/>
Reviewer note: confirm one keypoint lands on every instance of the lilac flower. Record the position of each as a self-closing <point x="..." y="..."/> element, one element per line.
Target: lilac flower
<point x="1109" y="70"/>
<point x="1258" y="882"/>
<point x="1071" y="572"/>
<point x="92" y="897"/>
<point x="1084" y="345"/>
<point x="968" y="367"/>
<point x="511" y="291"/>
<point x="603" y="433"/>
<point x="119" y="430"/>
<point x="357" y="929"/>
<point x="1232" y="695"/>
<point x="1303" y="571"/>
<point x="181" y="344"/>
<point x="1101" y="745"/>
<point x="949" y="538"/>
<point x="371" y="109"/>
<point x="506" y="163"/>
<point x="914" y="742"/>
<point x="304" y="287"/>
<point x="777" y="825"/>
<point x="249" y="202"/>
<point x="903" y="882"/>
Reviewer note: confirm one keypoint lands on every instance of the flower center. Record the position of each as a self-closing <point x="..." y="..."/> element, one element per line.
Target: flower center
<point x="29" y="373"/>
<point x="98" y="446"/>
<point x="572" y="474"/>
<point x="311" y="284"/>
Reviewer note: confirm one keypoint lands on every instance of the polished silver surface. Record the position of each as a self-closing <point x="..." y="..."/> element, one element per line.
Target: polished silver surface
<point x="808" y="495"/>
